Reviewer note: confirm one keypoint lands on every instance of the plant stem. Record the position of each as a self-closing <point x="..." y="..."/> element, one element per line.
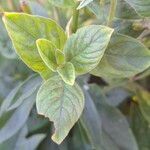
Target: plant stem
<point x="112" y="12"/>
<point x="75" y="19"/>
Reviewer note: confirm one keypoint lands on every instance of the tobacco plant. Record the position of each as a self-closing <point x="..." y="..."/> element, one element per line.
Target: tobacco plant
<point x="68" y="56"/>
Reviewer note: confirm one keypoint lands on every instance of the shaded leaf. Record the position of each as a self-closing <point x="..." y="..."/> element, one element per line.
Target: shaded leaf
<point x="144" y="103"/>
<point x="124" y="57"/>
<point x="19" y="141"/>
<point x="141" y="6"/>
<point x="12" y="116"/>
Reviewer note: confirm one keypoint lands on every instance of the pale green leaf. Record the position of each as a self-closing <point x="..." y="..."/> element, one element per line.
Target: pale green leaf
<point x="84" y="3"/>
<point x="60" y="57"/>
<point x="67" y="72"/>
<point x="141" y="6"/>
<point x="46" y="50"/>
<point x="85" y="48"/>
<point x="63" y="3"/>
<point x="124" y="57"/>
<point x="25" y="29"/>
<point x="62" y="104"/>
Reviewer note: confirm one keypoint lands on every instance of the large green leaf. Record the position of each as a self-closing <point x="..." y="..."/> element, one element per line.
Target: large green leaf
<point x="47" y="52"/>
<point x="25" y="29"/>
<point x="116" y="130"/>
<point x="141" y="6"/>
<point x="85" y="48"/>
<point x="67" y="72"/>
<point x="91" y="122"/>
<point x="62" y="104"/>
<point x="63" y="3"/>
<point x="12" y="117"/>
<point x="124" y="57"/>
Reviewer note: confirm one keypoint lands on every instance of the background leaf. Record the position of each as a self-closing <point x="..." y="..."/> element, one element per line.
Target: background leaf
<point x="124" y="57"/>
<point x="12" y="117"/>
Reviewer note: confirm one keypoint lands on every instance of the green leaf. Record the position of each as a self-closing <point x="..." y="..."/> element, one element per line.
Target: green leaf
<point x="91" y="122"/>
<point x="60" y="57"/>
<point x="85" y="48"/>
<point x="116" y="129"/>
<point x="47" y="52"/>
<point x="141" y="6"/>
<point x="25" y="29"/>
<point x="124" y="57"/>
<point x="144" y="103"/>
<point x="140" y="127"/>
<point x="67" y="72"/>
<point x="21" y="141"/>
<point x="12" y="116"/>
<point x="63" y="3"/>
<point x="62" y="104"/>
<point x="6" y="48"/>
<point x="84" y="3"/>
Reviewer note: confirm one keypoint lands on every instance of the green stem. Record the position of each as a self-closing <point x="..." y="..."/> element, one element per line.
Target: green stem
<point x="75" y="19"/>
<point x="112" y="12"/>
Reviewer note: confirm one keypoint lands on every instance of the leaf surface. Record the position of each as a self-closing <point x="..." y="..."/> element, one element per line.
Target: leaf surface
<point x="25" y="29"/>
<point x="62" y="104"/>
<point x="85" y="48"/>
<point x="47" y="52"/>
<point x="67" y="72"/>
<point x="124" y="57"/>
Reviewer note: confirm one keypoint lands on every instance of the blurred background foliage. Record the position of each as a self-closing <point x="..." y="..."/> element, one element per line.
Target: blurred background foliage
<point x="117" y="111"/>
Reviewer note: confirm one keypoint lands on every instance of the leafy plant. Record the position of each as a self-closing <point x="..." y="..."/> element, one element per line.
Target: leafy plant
<point x="67" y="60"/>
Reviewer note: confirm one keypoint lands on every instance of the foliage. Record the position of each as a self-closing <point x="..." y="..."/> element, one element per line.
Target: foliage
<point x="72" y="44"/>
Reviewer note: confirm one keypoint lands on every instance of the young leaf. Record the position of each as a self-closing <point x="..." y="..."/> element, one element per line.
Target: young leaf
<point x="124" y="57"/>
<point x="25" y="29"/>
<point x="62" y="104"/>
<point x="47" y="52"/>
<point x="67" y="72"/>
<point x="60" y="57"/>
<point x="85" y="48"/>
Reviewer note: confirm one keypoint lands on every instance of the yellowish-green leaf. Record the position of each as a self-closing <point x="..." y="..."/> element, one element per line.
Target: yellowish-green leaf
<point x="62" y="104"/>
<point x="67" y="72"/>
<point x="60" y="57"/>
<point x="47" y="52"/>
<point x="25" y="29"/>
<point x="85" y="48"/>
